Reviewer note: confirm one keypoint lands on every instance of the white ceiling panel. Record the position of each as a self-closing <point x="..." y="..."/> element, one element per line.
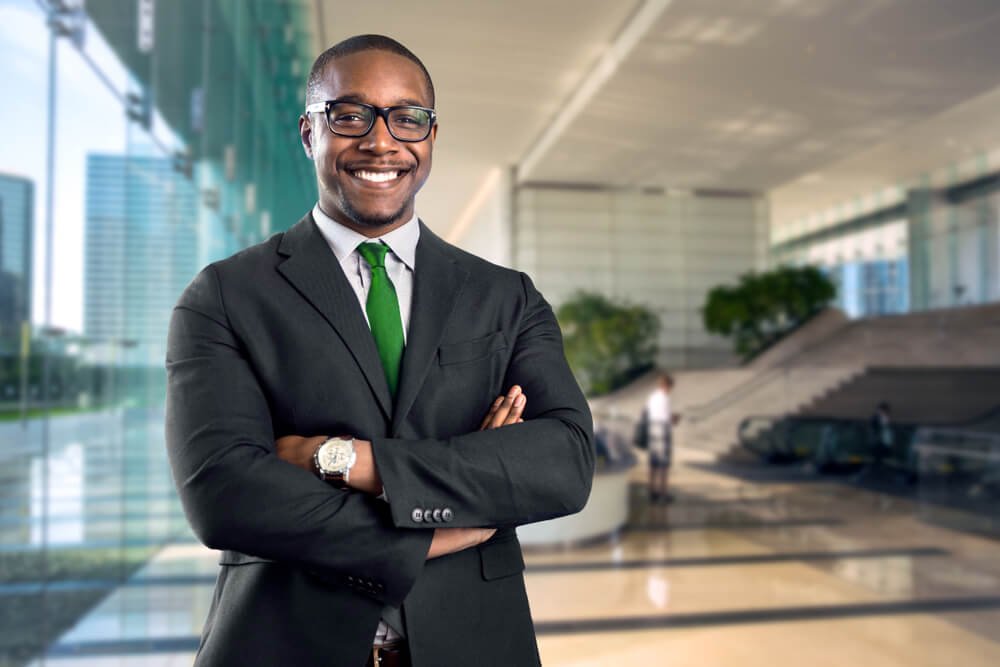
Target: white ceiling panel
<point x="751" y="94"/>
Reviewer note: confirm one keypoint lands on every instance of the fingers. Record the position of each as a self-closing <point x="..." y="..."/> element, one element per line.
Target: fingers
<point x="506" y="409"/>
<point x="514" y="415"/>
<point x="489" y="415"/>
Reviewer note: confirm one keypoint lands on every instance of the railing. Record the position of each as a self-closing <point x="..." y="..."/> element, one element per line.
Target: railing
<point x="958" y="453"/>
<point x="703" y="411"/>
<point x="613" y="432"/>
<point x="919" y="451"/>
<point x="824" y="441"/>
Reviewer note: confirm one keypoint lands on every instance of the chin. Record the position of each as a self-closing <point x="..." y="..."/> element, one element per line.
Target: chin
<point x="373" y="218"/>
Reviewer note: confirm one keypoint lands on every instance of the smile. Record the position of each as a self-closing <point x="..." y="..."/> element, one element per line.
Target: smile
<point x="377" y="176"/>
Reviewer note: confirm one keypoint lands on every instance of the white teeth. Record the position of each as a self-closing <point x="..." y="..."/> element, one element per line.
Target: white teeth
<point x="377" y="176"/>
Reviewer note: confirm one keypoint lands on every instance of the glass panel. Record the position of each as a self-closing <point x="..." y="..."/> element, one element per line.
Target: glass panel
<point x="167" y="152"/>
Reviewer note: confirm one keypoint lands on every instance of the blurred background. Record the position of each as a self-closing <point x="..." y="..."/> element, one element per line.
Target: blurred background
<point x="793" y="206"/>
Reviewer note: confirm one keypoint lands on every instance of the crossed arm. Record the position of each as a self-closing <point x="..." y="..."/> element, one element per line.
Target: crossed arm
<point x="364" y="477"/>
<point x="238" y="495"/>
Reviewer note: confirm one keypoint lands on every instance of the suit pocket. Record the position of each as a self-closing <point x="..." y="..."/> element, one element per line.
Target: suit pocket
<point x="471" y="350"/>
<point x="237" y="558"/>
<point x="501" y="559"/>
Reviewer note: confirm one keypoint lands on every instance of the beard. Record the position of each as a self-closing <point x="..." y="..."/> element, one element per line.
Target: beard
<point x="374" y="221"/>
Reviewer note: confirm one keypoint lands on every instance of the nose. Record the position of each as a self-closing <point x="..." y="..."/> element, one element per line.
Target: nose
<point x="378" y="140"/>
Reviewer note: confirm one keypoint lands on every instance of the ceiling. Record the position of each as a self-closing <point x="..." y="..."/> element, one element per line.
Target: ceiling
<point x="736" y="95"/>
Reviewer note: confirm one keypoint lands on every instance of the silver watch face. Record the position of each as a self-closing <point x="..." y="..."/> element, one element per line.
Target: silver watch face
<point x="336" y="455"/>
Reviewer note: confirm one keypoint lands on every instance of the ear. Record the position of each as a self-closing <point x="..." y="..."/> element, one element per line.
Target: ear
<point x="305" y="131"/>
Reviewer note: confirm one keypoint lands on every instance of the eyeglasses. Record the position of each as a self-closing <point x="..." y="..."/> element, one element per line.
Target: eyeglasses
<point x="356" y="119"/>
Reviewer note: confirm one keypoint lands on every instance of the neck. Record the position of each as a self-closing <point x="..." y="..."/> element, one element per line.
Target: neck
<point x="366" y="230"/>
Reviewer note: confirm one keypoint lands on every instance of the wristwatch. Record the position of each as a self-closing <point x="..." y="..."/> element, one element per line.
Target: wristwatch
<point x="334" y="459"/>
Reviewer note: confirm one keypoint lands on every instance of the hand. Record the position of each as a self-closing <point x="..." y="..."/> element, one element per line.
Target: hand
<point x="505" y="410"/>
<point x="299" y="451"/>
<point x="451" y="540"/>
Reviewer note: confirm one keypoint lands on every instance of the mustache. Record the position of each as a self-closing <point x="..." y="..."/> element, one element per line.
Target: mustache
<point x="357" y="166"/>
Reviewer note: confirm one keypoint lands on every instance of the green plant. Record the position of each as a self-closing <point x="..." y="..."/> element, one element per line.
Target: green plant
<point x="607" y="344"/>
<point x="764" y="307"/>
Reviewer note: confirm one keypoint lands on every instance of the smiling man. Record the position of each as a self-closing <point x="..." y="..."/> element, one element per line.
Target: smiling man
<point x="333" y="418"/>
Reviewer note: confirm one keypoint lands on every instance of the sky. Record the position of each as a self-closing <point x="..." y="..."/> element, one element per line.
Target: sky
<point x="89" y="119"/>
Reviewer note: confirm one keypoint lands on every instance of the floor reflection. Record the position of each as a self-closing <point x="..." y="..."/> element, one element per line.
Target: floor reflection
<point x="734" y="571"/>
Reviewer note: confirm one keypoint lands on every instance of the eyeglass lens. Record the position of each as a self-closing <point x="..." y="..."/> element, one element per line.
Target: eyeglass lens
<point x="354" y="120"/>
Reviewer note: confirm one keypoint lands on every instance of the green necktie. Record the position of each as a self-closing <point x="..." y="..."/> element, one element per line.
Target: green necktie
<point x="383" y="313"/>
<point x="387" y="329"/>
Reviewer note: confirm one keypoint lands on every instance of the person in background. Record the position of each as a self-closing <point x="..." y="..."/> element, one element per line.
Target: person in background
<point x="661" y="423"/>
<point x="881" y="434"/>
<point x="879" y="442"/>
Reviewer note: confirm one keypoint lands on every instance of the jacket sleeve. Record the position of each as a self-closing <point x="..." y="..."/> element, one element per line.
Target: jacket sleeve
<point x="521" y="473"/>
<point x="237" y="494"/>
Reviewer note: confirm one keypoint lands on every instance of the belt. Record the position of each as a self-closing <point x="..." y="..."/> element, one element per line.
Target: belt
<point x="396" y="654"/>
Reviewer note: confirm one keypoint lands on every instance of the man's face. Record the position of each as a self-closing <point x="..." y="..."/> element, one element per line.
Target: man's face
<point x="348" y="191"/>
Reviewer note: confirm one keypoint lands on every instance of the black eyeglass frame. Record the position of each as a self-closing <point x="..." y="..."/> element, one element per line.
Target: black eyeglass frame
<point x="379" y="112"/>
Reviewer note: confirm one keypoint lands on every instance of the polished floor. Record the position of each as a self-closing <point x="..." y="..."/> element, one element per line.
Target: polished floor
<point x="736" y="571"/>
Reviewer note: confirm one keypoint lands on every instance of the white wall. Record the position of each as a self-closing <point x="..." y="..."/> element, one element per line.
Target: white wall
<point x="656" y="249"/>
<point x="487" y="231"/>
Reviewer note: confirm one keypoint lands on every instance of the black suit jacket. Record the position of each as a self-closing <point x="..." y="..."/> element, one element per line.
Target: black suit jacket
<point x="272" y="341"/>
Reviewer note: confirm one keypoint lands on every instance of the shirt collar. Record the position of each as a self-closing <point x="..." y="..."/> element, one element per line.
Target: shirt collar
<point x="343" y="240"/>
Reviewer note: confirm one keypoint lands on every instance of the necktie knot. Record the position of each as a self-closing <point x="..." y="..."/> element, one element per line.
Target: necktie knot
<point x="374" y="254"/>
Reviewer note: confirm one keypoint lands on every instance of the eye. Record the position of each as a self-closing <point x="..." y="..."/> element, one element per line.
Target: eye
<point x="410" y="117"/>
<point x="349" y="115"/>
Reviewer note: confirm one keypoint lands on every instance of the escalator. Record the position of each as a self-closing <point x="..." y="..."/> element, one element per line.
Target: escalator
<point x="968" y="451"/>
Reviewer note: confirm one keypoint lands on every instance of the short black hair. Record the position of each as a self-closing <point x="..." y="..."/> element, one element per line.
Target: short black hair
<point x="356" y="44"/>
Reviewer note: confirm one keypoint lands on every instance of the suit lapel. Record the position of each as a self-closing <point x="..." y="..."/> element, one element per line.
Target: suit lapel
<point x="312" y="269"/>
<point x="437" y="283"/>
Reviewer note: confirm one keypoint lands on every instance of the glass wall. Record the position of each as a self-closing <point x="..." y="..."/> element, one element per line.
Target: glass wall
<point x="930" y="247"/>
<point x="141" y="140"/>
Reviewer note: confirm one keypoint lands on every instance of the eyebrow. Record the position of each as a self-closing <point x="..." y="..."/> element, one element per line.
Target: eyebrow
<point x="353" y="97"/>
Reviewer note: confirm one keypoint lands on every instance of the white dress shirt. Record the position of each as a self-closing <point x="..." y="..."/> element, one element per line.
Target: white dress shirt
<point x="399" y="263"/>
<point x="658" y="410"/>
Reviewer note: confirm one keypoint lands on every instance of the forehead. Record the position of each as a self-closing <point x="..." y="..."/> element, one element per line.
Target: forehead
<point x="382" y="78"/>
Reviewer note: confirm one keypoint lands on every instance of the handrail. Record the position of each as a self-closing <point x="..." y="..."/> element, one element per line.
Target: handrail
<point x="987" y="455"/>
<point x="700" y="412"/>
<point x="988" y="414"/>
<point x="780" y="438"/>
<point x="961" y="433"/>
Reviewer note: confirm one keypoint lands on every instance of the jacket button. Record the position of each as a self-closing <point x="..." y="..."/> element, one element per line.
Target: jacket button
<point x="428" y="515"/>
<point x="417" y="515"/>
<point x="446" y="514"/>
<point x="436" y="514"/>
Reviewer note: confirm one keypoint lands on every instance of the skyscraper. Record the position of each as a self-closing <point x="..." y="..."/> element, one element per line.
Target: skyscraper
<point x="141" y="246"/>
<point x="16" y="228"/>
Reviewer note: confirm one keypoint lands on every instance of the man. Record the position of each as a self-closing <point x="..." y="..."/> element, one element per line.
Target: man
<point x="370" y="350"/>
